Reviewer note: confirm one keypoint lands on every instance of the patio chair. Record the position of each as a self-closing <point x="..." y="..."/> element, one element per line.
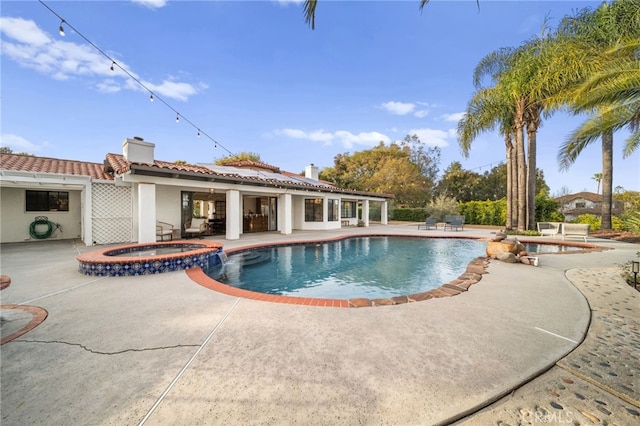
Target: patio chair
<point x="164" y="229"/>
<point x="429" y="223"/>
<point x="196" y="226"/>
<point x="455" y="222"/>
<point x="548" y="229"/>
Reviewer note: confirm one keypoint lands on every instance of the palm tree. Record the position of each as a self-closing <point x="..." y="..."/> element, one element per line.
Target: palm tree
<point x="596" y="36"/>
<point x="487" y="110"/>
<point x="598" y="178"/>
<point x="614" y="92"/>
<point x="515" y="72"/>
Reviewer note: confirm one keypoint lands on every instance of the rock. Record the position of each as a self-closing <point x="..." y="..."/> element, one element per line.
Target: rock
<point x="499" y="236"/>
<point x="505" y="246"/>
<point x="507" y="257"/>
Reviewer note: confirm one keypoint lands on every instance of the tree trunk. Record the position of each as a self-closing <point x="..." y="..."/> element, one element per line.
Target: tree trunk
<point x="607" y="178"/>
<point x="522" y="166"/>
<point x="532" y="129"/>
<point x="514" y="188"/>
<point x="509" y="149"/>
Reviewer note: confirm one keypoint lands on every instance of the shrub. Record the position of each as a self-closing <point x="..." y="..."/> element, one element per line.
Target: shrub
<point x="547" y="210"/>
<point x="442" y="206"/>
<point x="528" y="233"/>
<point x="409" y="214"/>
<point x="484" y="212"/>
<point x="625" y="270"/>
<point x="596" y="222"/>
<point x="631" y="221"/>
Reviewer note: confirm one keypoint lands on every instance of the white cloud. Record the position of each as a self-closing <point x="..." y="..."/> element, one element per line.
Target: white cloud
<point x="315" y="136"/>
<point x="405" y="108"/>
<point x="347" y="138"/>
<point x="455" y="117"/>
<point x="398" y="108"/>
<point x="23" y="31"/>
<point x="19" y="144"/>
<point x="33" y="48"/>
<point x="434" y="137"/>
<point x="151" y="4"/>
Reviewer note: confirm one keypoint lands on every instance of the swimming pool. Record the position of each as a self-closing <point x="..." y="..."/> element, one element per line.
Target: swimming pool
<point x="359" y="267"/>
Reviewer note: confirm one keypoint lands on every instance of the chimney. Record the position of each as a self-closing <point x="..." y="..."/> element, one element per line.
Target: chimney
<point x="137" y="150"/>
<point x="311" y="172"/>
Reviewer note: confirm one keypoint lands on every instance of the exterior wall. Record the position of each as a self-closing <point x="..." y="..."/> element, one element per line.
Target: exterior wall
<point x="298" y="214"/>
<point x="111" y="213"/>
<point x="15" y="220"/>
<point x="168" y="205"/>
<point x="146" y="213"/>
<point x="573" y="204"/>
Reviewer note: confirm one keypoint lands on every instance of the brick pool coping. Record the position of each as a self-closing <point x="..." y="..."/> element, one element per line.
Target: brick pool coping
<point x="472" y="275"/>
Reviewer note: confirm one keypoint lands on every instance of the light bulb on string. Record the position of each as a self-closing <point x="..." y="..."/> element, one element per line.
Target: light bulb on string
<point x="124" y="71"/>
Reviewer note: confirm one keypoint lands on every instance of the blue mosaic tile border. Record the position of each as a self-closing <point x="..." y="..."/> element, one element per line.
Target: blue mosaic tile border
<point x="150" y="265"/>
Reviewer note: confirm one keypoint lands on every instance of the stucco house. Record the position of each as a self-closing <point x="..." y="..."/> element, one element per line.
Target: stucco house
<point x="573" y="205"/>
<point x="122" y="199"/>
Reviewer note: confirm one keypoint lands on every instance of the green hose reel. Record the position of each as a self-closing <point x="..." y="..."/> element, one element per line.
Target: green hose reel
<point x="42" y="234"/>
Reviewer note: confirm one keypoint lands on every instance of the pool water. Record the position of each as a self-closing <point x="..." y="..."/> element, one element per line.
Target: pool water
<point x="156" y="251"/>
<point x="550" y="248"/>
<point x="368" y="267"/>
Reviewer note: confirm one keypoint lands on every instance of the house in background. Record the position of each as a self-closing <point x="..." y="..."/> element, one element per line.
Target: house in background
<point x="120" y="200"/>
<point x="573" y="205"/>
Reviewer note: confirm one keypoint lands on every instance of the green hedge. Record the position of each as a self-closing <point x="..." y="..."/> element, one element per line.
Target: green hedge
<point x="484" y="212"/>
<point x="409" y="214"/>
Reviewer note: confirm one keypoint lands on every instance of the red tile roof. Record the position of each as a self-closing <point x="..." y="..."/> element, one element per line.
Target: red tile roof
<point x="28" y="163"/>
<point x="116" y="164"/>
<point x="590" y="196"/>
<point x="248" y="164"/>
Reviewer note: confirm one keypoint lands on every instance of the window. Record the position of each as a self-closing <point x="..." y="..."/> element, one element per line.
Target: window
<point x="313" y="210"/>
<point x="348" y="209"/>
<point x="333" y="210"/>
<point x="45" y="201"/>
<point x="581" y="205"/>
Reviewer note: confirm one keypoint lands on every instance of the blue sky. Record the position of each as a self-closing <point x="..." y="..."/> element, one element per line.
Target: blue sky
<point x="254" y="77"/>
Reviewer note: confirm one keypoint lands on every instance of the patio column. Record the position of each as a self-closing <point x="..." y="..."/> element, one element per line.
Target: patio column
<point x="384" y="213"/>
<point x="146" y="213"/>
<point x="286" y="214"/>
<point x="86" y="203"/>
<point x="365" y="212"/>
<point x="234" y="215"/>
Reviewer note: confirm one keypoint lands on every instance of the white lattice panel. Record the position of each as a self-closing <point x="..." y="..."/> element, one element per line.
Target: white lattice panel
<point x="112" y="213"/>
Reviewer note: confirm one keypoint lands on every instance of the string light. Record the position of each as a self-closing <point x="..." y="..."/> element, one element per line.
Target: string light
<point x="133" y="77"/>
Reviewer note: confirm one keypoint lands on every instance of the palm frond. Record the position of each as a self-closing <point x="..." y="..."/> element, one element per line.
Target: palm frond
<point x="310" y="12"/>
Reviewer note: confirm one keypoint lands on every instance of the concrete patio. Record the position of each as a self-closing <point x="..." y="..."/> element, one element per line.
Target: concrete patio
<point x="162" y="349"/>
